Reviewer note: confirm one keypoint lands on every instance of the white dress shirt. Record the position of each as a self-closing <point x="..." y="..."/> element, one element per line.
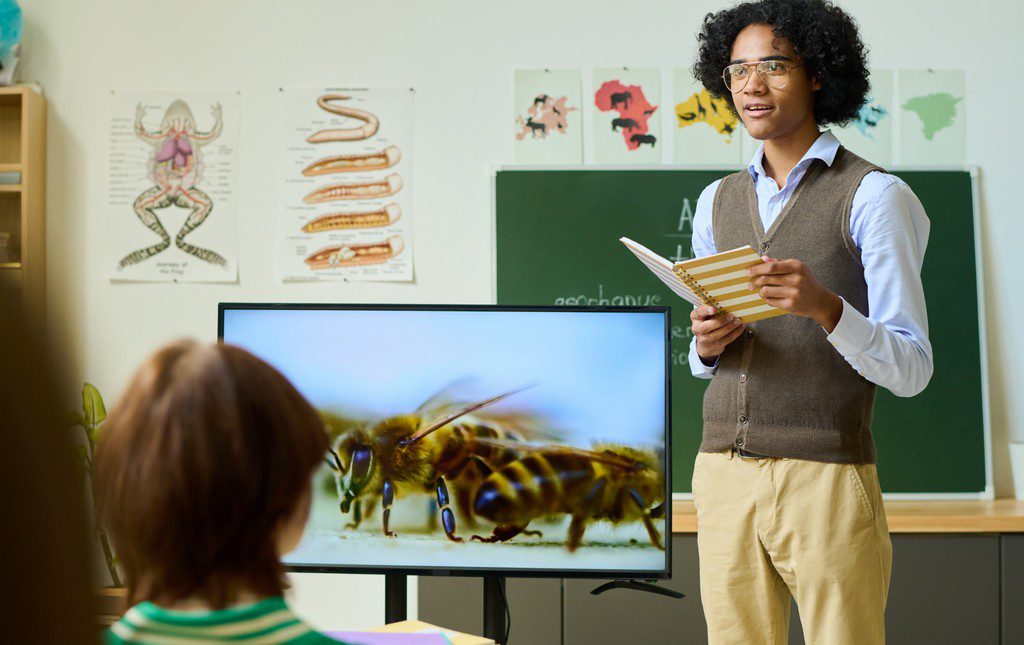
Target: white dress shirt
<point x="888" y="224"/>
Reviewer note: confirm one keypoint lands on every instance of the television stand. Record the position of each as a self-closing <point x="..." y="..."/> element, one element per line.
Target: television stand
<point x="637" y="585"/>
<point x="396" y="597"/>
<point x="495" y="626"/>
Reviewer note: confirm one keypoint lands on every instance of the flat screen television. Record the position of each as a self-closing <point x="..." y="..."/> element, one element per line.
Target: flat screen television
<point x="479" y="440"/>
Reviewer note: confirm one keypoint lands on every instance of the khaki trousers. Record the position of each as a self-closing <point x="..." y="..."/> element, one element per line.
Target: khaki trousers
<point x="769" y="529"/>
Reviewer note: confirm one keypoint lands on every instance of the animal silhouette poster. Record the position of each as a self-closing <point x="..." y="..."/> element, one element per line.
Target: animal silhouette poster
<point x="933" y="123"/>
<point x="705" y="130"/>
<point x="478" y="439"/>
<point x="172" y="198"/>
<point x="626" y="115"/>
<point x="548" y="116"/>
<point x="346" y="189"/>
<point x="870" y="133"/>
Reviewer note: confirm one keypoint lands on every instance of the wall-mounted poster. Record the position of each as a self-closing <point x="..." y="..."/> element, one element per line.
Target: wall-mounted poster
<point x="347" y="185"/>
<point x="705" y="129"/>
<point x="933" y="125"/>
<point x="172" y="203"/>
<point x="870" y="133"/>
<point x="548" y="125"/>
<point x="626" y="121"/>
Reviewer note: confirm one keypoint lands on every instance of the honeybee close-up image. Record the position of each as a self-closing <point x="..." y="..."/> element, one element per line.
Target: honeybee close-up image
<point x="513" y="439"/>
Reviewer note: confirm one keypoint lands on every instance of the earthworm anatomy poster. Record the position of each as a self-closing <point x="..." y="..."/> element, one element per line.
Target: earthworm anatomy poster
<point x="172" y="200"/>
<point x="548" y="117"/>
<point x="346" y="211"/>
<point x="626" y="118"/>
<point x="705" y="130"/>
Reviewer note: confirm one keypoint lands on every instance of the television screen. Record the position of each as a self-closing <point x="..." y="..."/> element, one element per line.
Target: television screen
<point x="518" y="441"/>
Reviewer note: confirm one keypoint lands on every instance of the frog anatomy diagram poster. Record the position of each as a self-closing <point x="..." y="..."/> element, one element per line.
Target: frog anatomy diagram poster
<point x="346" y="209"/>
<point x="548" y="117"/>
<point x="626" y="115"/>
<point x="172" y="198"/>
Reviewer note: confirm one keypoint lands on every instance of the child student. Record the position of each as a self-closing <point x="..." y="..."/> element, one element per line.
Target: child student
<point x="203" y="478"/>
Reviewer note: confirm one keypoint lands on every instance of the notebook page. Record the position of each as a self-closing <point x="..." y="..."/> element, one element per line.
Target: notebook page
<point x="661" y="268"/>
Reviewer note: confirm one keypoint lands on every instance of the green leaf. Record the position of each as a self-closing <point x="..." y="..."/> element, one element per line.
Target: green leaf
<point x="92" y="405"/>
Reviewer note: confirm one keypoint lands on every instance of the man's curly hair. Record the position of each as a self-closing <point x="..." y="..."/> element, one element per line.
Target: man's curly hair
<point x="822" y="34"/>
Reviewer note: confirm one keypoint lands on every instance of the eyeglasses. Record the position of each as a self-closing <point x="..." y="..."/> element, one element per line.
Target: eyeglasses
<point x="774" y="73"/>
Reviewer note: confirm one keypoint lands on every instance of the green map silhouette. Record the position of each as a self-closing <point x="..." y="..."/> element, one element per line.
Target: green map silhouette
<point x="936" y="111"/>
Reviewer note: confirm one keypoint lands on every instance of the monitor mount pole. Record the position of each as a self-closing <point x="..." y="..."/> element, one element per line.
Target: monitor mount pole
<point x="495" y="626"/>
<point x="396" y="600"/>
<point x="396" y="597"/>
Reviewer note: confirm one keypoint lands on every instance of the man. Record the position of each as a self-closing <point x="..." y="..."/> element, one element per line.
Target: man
<point x="785" y="486"/>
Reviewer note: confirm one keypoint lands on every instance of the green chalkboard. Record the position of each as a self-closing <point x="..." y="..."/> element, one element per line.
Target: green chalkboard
<point x="557" y="242"/>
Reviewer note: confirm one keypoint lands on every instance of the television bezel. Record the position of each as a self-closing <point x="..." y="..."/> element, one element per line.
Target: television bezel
<point x="644" y="574"/>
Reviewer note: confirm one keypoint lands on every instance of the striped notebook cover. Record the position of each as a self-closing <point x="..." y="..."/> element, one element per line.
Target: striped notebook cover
<point x="718" y="280"/>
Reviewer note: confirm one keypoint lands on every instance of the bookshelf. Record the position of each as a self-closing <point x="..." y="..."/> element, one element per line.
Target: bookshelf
<point x="22" y="196"/>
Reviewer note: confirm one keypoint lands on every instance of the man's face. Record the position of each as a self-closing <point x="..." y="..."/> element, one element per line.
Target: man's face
<point x="768" y="112"/>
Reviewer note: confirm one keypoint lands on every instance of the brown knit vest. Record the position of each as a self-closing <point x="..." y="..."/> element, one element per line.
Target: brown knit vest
<point x="781" y="389"/>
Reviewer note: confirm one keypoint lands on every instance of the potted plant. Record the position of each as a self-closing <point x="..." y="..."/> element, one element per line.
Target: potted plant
<point x="90" y="420"/>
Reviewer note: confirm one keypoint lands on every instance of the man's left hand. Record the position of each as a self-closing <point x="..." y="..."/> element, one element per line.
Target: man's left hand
<point x="790" y="285"/>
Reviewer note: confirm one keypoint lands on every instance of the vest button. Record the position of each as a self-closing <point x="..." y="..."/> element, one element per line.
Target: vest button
<point x="739" y="441"/>
<point x="764" y="246"/>
<point x="750" y="333"/>
<point x="743" y="418"/>
<point x="743" y="378"/>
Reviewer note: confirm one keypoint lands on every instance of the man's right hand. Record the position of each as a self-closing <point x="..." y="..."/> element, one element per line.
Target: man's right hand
<point x="713" y="332"/>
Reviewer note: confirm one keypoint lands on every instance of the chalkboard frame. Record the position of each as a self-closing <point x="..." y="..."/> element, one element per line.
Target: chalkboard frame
<point x="988" y="492"/>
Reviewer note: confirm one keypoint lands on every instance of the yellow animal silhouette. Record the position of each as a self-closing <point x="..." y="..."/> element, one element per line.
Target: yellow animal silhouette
<point x="702" y="108"/>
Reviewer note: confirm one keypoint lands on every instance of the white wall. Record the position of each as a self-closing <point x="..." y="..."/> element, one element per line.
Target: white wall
<point x="459" y="55"/>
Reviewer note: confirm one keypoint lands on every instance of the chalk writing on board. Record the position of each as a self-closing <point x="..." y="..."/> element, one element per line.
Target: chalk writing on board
<point x="603" y="300"/>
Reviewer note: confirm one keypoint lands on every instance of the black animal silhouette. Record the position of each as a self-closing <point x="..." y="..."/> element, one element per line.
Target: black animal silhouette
<point x="536" y="127"/>
<point x="874" y="116"/>
<point x="542" y="99"/>
<point x="621" y="97"/>
<point x="627" y="124"/>
<point x="641" y="139"/>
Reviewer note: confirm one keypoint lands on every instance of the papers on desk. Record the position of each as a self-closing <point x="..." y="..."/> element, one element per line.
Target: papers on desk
<point x="383" y="638"/>
<point x="410" y="632"/>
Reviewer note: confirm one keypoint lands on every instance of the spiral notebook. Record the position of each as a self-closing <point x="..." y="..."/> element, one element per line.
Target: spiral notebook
<point x="718" y="280"/>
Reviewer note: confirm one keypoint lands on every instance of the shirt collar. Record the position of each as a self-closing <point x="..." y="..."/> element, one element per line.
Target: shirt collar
<point x="824" y="147"/>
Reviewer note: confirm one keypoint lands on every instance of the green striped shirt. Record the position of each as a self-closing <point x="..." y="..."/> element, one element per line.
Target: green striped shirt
<point x="266" y="621"/>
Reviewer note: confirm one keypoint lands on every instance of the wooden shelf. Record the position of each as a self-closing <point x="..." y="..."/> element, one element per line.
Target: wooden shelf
<point x="22" y="205"/>
<point x="989" y="516"/>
